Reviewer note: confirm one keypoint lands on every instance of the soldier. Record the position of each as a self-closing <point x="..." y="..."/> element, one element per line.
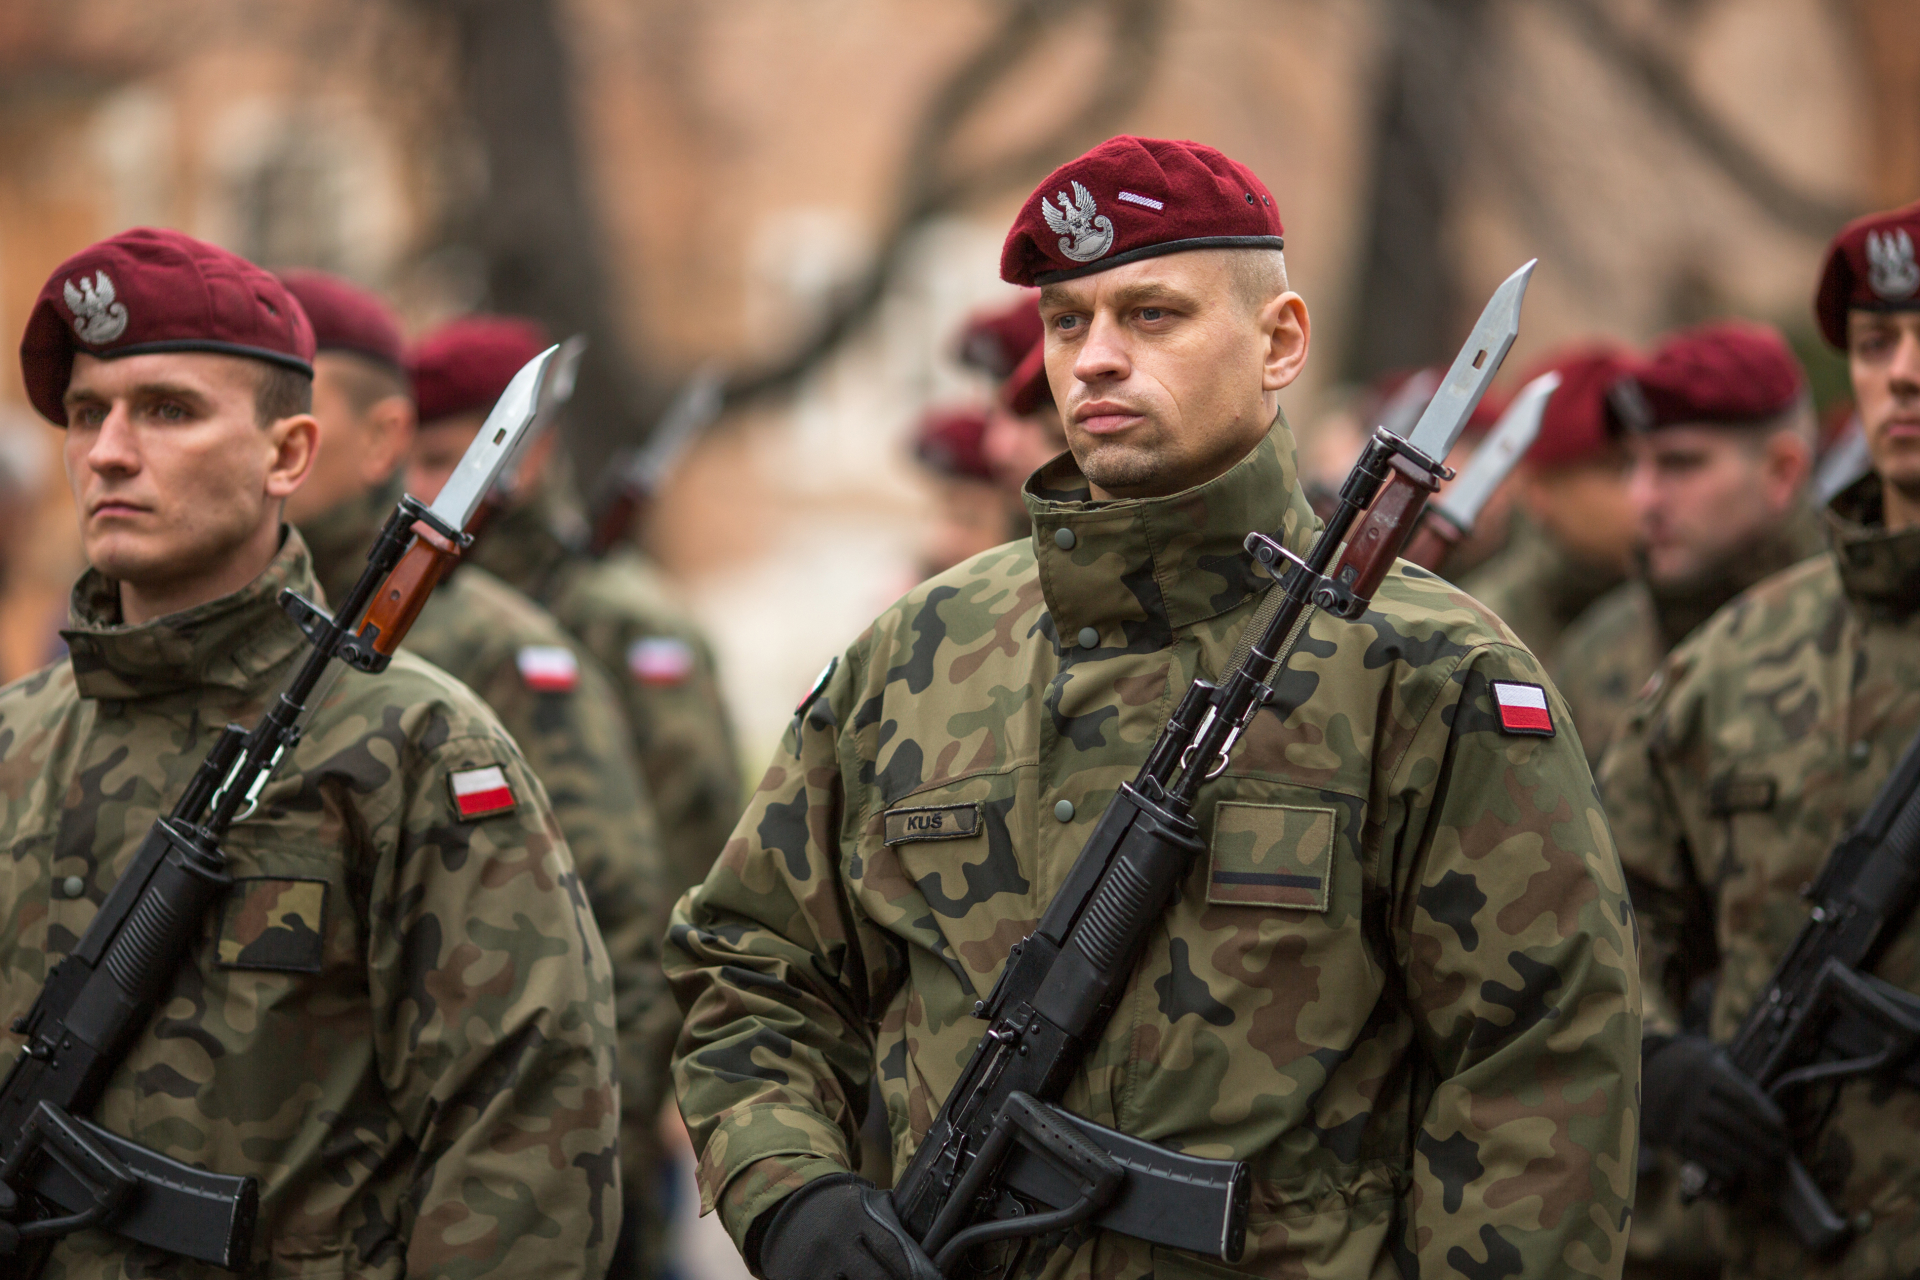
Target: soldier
<point x="971" y="512"/>
<point x="1376" y="1048"/>
<point x="1719" y="434"/>
<point x="1574" y="543"/>
<point x="559" y="705"/>
<point x="1763" y="736"/>
<point x="618" y="607"/>
<point x="401" y="1017"/>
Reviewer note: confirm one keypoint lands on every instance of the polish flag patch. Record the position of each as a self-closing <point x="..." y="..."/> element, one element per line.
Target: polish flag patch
<point x="548" y="668"/>
<point x="482" y="793"/>
<point x="660" y="660"/>
<point x="1522" y="707"/>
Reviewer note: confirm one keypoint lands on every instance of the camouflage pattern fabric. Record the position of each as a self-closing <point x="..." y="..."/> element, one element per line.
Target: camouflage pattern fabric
<point x="476" y="628"/>
<point x="624" y="613"/>
<point x="1610" y="652"/>
<point x="1536" y="588"/>
<point x="1428" y="1054"/>
<point x="400" y="1020"/>
<point x="1764" y="736"/>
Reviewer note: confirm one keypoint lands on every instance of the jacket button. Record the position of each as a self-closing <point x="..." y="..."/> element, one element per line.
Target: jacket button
<point x="1063" y="538"/>
<point x="1064" y="811"/>
<point x="1859" y="751"/>
<point x="73" y="886"/>
<point x="1089" y="638"/>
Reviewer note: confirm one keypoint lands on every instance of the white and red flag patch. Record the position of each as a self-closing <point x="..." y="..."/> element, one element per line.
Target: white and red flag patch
<point x="481" y="793"/>
<point x="1522" y="707"/>
<point x="548" y="668"/>
<point x="660" y="660"/>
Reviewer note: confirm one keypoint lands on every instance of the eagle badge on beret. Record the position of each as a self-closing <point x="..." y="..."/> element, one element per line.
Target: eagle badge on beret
<point x="1085" y="233"/>
<point x="99" y="318"/>
<point x="1891" y="271"/>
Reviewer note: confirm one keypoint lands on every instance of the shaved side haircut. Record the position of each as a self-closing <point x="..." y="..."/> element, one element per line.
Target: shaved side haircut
<point x="1259" y="276"/>
<point x="281" y="393"/>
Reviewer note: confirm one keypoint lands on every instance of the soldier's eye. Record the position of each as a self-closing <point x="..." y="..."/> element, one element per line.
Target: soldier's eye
<point x="1066" y="324"/>
<point x="1150" y="314"/>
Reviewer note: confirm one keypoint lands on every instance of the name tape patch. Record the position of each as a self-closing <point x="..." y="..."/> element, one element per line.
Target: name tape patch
<point x="934" y="822"/>
<point x="482" y="793"/>
<point x="1522" y="708"/>
<point x="660" y="660"/>
<point x="548" y="668"/>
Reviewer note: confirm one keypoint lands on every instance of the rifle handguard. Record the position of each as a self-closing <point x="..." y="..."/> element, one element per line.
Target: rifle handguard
<point x="1377" y="538"/>
<point x="1432" y="542"/>
<point x="405" y="592"/>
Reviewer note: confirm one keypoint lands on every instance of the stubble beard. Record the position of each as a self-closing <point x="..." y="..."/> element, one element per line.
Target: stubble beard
<point x="1121" y="468"/>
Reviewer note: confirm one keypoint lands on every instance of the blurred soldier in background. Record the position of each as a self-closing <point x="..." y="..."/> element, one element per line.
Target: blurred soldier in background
<point x="558" y="705"/>
<point x="1763" y="736"/>
<point x="618" y="606"/>
<point x="972" y="511"/>
<point x="1575" y="539"/>
<point x="1719" y="428"/>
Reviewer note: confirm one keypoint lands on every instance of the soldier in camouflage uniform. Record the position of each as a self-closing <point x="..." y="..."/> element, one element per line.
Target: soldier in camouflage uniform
<point x="1569" y="543"/>
<point x="1422" y="1041"/>
<point x="401" y="1016"/>
<point x="1719" y="434"/>
<point x="1765" y="735"/>
<point x="618" y="607"/>
<point x="558" y="704"/>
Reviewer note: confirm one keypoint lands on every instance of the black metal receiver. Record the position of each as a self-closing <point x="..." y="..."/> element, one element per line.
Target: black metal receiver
<point x="60" y="1172"/>
<point x="1822" y="1017"/>
<point x="1000" y="1161"/>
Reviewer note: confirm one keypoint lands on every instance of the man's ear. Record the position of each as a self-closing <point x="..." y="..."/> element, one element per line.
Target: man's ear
<point x="1288" y="332"/>
<point x="390" y="425"/>
<point x="1786" y="462"/>
<point x="296" y="442"/>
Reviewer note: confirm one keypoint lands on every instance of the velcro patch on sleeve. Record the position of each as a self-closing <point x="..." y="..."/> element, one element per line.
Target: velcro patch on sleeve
<point x="660" y="660"/>
<point x="1270" y="855"/>
<point x="548" y="668"/>
<point x="933" y="822"/>
<point x="1522" y="708"/>
<point x="482" y="793"/>
<point x="273" y="923"/>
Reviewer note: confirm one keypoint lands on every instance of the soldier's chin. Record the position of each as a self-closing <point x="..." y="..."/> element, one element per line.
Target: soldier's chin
<point x="1123" y="469"/>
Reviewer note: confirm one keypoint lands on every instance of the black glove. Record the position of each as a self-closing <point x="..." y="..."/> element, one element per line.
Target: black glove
<point x="1694" y="1101"/>
<point x="840" y="1227"/>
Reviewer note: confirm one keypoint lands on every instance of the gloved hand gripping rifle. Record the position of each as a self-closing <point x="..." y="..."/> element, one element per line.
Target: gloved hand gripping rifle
<point x="60" y="1172"/>
<point x="1000" y="1160"/>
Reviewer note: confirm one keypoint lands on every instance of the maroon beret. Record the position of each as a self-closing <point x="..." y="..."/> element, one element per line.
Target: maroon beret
<point x="348" y="318"/>
<point x="995" y="342"/>
<point x="1573" y="427"/>
<point x="1131" y="198"/>
<point x="148" y="290"/>
<point x="1731" y="372"/>
<point x="953" y="442"/>
<point x="1027" y="388"/>
<point x="1870" y="267"/>
<point x="465" y="364"/>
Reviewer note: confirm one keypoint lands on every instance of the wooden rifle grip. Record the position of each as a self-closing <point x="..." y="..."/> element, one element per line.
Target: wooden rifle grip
<point x="1377" y="539"/>
<point x="405" y="592"/>
<point x="1432" y="542"/>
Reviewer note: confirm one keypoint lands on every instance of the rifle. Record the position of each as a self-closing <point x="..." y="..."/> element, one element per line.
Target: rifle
<point x="60" y="1172"/>
<point x="1002" y="1162"/>
<point x="555" y="390"/>
<point x="1450" y="517"/>
<point x="1822" y="1017"/>
<point x="638" y="473"/>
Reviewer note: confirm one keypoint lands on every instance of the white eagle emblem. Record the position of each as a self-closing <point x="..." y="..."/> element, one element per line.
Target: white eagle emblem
<point x="1890" y="267"/>
<point x="97" y="317"/>
<point x="1085" y="233"/>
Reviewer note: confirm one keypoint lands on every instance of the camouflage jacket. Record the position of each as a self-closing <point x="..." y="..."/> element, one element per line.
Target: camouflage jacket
<point x="625" y="614"/>
<point x="400" y="1019"/>
<point x="1427" y="1050"/>
<point x="1536" y="588"/>
<point x="561" y="709"/>
<point x="1765" y="735"/>
<point x="1608" y="654"/>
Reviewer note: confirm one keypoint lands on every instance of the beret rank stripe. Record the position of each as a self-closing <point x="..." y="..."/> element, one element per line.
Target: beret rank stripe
<point x="152" y="290"/>
<point x="1131" y="198"/>
<point x="1870" y="266"/>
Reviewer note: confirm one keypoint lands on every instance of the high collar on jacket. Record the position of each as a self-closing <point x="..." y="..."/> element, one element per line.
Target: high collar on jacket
<point x="339" y="538"/>
<point x="1880" y="569"/>
<point x="1154" y="564"/>
<point x="229" y="643"/>
<point x="1680" y="607"/>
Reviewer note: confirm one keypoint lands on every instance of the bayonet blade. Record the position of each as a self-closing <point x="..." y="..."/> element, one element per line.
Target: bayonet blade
<point x="697" y="405"/>
<point x="1473" y="369"/>
<point x="1497" y="455"/>
<point x="556" y="388"/>
<point x="494" y="449"/>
